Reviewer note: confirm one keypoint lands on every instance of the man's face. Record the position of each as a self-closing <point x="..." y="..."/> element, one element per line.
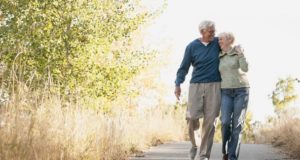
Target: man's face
<point x="208" y="33"/>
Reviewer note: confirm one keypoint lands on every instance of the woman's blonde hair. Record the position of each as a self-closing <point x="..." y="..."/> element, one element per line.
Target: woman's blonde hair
<point x="228" y="36"/>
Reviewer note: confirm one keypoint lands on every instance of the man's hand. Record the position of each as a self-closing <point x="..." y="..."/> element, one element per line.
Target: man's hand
<point x="239" y="49"/>
<point x="177" y="92"/>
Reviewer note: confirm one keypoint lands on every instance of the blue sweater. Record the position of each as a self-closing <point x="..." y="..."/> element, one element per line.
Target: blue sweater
<point x="205" y="62"/>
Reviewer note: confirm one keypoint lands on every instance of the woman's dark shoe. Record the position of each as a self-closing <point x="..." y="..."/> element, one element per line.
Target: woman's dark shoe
<point x="225" y="156"/>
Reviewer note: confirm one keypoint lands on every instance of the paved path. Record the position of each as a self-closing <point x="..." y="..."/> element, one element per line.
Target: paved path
<point x="179" y="151"/>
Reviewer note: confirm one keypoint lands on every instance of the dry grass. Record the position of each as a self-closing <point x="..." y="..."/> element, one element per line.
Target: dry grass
<point x="283" y="132"/>
<point x="42" y="127"/>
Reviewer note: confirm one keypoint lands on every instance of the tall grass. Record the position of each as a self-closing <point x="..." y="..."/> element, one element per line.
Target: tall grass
<point x="283" y="131"/>
<point x="39" y="126"/>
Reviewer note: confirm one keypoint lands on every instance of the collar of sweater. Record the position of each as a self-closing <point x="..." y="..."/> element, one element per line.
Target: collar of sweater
<point x="231" y="52"/>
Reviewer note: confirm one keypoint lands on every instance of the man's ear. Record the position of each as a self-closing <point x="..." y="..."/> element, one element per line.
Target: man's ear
<point x="201" y="31"/>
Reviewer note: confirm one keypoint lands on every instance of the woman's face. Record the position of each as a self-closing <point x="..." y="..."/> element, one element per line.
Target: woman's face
<point x="224" y="42"/>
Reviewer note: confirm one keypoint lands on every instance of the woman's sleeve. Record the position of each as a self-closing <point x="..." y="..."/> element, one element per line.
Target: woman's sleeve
<point x="243" y="63"/>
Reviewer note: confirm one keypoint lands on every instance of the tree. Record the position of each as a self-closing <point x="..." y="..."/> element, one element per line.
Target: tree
<point x="284" y="94"/>
<point x="79" y="47"/>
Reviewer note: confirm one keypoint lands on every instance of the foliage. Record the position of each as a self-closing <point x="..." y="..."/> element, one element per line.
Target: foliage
<point x="248" y="133"/>
<point x="78" y="47"/>
<point x="284" y="94"/>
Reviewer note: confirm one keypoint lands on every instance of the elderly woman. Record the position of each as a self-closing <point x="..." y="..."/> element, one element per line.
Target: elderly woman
<point x="234" y="94"/>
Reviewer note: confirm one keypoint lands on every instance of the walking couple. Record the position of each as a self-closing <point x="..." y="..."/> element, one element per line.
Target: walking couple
<point x="218" y="83"/>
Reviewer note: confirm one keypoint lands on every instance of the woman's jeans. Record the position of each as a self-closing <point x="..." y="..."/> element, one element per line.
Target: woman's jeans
<point x="234" y="104"/>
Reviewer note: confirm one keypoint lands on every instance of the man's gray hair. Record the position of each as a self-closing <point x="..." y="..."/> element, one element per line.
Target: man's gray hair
<point x="206" y="24"/>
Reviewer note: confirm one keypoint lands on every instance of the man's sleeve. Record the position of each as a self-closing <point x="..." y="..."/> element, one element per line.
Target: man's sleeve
<point x="184" y="67"/>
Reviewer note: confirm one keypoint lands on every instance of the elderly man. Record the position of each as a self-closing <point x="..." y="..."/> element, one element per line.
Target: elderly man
<point x="204" y="91"/>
